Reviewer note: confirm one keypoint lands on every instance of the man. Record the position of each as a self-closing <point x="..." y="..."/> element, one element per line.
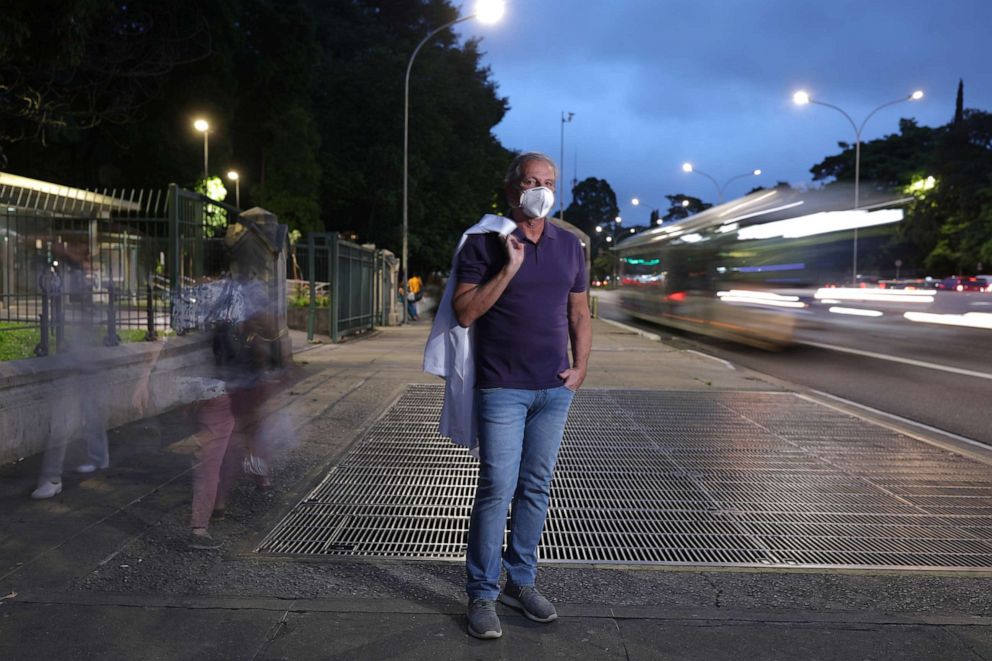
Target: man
<point x="526" y="295"/>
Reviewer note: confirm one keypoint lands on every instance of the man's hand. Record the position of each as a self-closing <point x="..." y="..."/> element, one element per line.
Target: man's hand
<point x="514" y="254"/>
<point x="471" y="301"/>
<point x="573" y="378"/>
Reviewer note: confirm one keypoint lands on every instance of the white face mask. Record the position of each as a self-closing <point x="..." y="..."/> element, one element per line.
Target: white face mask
<point x="537" y="202"/>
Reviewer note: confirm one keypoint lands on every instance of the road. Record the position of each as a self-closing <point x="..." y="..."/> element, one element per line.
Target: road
<point x="940" y="376"/>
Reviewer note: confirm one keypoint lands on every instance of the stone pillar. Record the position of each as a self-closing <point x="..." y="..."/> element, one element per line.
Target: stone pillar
<point x="259" y="246"/>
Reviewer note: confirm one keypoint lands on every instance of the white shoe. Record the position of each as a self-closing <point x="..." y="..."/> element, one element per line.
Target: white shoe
<point x="90" y="468"/>
<point x="49" y="489"/>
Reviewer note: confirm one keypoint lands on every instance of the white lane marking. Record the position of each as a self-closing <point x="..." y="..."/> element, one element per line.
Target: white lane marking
<point x="897" y="359"/>
<point x="632" y="329"/>
<point x="727" y="363"/>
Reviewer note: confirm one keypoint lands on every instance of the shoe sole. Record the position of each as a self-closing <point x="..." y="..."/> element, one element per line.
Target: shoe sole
<point x="488" y="635"/>
<point x="516" y="603"/>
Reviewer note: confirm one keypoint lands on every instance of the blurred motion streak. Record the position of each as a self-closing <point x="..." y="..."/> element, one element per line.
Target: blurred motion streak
<point x="968" y="319"/>
<point x="821" y="223"/>
<point x="878" y="295"/>
<point x="856" y="312"/>
<point x="760" y="298"/>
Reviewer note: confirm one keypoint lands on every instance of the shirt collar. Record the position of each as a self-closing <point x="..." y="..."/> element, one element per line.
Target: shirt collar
<point x="551" y="231"/>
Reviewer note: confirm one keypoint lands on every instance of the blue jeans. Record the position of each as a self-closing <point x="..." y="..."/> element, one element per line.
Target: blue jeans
<point x="519" y="435"/>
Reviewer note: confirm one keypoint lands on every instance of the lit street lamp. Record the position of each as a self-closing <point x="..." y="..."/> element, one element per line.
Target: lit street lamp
<point x="236" y="178"/>
<point x="487" y="11"/>
<point x="203" y="126"/>
<point x="802" y="98"/>
<point x="689" y="167"/>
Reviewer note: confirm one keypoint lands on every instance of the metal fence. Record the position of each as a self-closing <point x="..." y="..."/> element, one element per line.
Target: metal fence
<point x="342" y="280"/>
<point x="78" y="266"/>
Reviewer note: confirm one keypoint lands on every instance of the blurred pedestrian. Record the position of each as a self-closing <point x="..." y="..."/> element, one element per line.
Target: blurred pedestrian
<point x="414" y="294"/>
<point x="231" y="437"/>
<point x="524" y="293"/>
<point x="79" y="402"/>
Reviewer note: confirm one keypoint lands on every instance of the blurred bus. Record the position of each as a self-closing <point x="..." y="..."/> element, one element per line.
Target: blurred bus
<point x="748" y="270"/>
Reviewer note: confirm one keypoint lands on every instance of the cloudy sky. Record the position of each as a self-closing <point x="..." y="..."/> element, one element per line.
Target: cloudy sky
<point x="655" y="83"/>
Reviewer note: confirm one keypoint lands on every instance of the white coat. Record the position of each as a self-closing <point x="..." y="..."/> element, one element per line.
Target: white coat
<point x="450" y="351"/>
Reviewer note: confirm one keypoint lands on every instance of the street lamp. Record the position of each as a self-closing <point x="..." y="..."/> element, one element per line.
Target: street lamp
<point x="561" y="162"/>
<point x="689" y="167"/>
<point x="802" y="98"/>
<point x="487" y="11"/>
<point x="203" y="126"/>
<point x="236" y="178"/>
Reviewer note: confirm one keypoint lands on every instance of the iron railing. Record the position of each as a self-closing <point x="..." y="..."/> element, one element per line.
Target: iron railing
<point x="82" y="265"/>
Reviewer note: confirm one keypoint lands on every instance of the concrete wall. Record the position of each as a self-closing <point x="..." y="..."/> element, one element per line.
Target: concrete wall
<point x="296" y="318"/>
<point x="38" y="395"/>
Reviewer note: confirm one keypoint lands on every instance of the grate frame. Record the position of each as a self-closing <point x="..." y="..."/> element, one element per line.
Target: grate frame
<point x="730" y="479"/>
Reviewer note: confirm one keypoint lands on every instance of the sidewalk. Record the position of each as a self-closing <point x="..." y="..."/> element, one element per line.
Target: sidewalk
<point x="102" y="571"/>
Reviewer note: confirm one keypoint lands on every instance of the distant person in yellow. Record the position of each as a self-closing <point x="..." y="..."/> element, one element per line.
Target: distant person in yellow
<point x="414" y="292"/>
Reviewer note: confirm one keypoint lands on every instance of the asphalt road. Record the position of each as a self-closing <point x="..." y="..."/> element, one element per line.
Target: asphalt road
<point x="936" y="375"/>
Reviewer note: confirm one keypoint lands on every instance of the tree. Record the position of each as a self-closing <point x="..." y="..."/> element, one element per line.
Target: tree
<point x="949" y="225"/>
<point x="68" y="65"/>
<point x="304" y="98"/>
<point x="682" y="206"/>
<point x="593" y="203"/>
<point x="887" y="164"/>
<point x="456" y="164"/>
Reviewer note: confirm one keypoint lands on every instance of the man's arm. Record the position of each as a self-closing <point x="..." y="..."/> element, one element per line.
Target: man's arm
<point x="580" y="334"/>
<point x="471" y="301"/>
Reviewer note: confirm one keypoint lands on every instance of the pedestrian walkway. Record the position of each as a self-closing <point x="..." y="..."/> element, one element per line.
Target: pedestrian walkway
<point x="102" y="571"/>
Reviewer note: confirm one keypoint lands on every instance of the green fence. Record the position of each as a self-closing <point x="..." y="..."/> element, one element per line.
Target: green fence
<point x="102" y="264"/>
<point x="345" y="275"/>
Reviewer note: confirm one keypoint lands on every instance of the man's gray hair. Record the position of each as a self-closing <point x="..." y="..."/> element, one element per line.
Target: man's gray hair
<point x="515" y="173"/>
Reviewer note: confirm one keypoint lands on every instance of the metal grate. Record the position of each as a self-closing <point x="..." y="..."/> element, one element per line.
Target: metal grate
<point x="714" y="478"/>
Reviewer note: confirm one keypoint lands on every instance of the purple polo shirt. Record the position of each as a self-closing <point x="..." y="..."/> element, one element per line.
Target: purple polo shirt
<point x="522" y="341"/>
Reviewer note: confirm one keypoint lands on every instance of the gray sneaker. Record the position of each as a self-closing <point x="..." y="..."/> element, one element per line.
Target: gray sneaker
<point x="530" y="601"/>
<point x="482" y="619"/>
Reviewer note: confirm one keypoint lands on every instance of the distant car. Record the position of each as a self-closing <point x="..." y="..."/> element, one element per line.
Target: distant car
<point x="906" y="283"/>
<point x="963" y="283"/>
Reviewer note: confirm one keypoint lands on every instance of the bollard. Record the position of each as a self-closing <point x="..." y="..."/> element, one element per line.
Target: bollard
<point x="150" y="335"/>
<point x="58" y="316"/>
<point x="41" y="349"/>
<point x="594" y="306"/>
<point x="48" y="282"/>
<point x="112" y="339"/>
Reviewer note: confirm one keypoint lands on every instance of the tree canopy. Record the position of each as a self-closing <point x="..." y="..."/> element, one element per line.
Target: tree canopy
<point x="948" y="170"/>
<point x="593" y="203"/>
<point x="304" y="99"/>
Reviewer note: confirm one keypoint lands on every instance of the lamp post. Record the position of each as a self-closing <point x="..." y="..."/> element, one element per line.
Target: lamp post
<point x="561" y="161"/>
<point x="236" y="178"/>
<point x="203" y="126"/>
<point x="802" y="98"/>
<point x="689" y="167"/>
<point x="487" y="11"/>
